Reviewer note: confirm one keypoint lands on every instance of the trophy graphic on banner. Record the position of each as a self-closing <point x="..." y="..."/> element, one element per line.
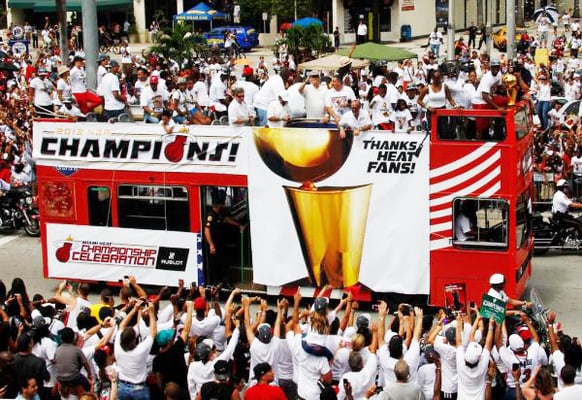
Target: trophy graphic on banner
<point x="330" y="221"/>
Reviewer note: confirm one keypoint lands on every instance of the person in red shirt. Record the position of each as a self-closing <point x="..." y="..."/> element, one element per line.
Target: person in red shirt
<point x="4" y="175"/>
<point x="264" y="390"/>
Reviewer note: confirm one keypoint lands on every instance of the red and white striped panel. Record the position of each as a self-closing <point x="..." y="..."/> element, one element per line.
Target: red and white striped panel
<point x="476" y="174"/>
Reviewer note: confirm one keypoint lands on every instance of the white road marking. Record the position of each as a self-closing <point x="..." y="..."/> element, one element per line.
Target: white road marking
<point x="7" y="239"/>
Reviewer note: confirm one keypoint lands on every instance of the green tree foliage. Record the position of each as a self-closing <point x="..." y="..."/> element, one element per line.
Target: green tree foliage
<point x="304" y="42"/>
<point x="179" y="44"/>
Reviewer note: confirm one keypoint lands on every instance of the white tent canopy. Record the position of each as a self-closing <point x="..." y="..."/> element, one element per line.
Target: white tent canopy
<point x="331" y="63"/>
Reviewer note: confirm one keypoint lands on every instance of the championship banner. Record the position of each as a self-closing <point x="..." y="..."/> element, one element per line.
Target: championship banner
<point x="141" y="147"/>
<point x="108" y="254"/>
<point x="492" y="308"/>
<point x="339" y="211"/>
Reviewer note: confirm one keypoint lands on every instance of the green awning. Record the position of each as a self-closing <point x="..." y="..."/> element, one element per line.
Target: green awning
<point x="72" y="5"/>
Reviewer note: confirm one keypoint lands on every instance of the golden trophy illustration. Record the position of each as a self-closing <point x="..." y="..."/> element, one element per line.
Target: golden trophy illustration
<point x="510" y="82"/>
<point x="330" y="221"/>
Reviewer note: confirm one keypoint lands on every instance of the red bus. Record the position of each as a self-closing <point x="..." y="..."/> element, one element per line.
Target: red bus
<point x="377" y="213"/>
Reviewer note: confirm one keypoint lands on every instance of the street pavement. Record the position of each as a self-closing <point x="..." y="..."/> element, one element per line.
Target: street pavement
<point x="556" y="277"/>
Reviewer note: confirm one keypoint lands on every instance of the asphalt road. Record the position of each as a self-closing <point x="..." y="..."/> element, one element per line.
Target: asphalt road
<point x="556" y="277"/>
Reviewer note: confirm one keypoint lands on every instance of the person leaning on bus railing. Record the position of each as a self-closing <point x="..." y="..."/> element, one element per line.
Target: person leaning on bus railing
<point x="561" y="204"/>
<point x="355" y="120"/>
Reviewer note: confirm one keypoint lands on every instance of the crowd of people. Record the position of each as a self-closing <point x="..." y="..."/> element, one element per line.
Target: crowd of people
<point x="186" y="344"/>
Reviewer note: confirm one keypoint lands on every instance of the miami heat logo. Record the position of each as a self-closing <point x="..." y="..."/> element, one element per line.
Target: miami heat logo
<point x="174" y="151"/>
<point x="63" y="253"/>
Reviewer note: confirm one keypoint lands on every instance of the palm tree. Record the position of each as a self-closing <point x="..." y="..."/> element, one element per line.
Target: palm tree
<point x="180" y="44"/>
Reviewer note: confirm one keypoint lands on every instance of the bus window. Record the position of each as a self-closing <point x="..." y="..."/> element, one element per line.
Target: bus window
<point x="480" y="223"/>
<point x="99" y="199"/>
<point x="522" y="220"/>
<point x="471" y="128"/>
<point x="153" y="207"/>
<point x="521" y="123"/>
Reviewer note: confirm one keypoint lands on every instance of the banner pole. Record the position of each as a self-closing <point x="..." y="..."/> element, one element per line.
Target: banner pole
<point x="242" y="272"/>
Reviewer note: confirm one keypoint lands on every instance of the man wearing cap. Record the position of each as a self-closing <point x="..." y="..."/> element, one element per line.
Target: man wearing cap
<point x="114" y="101"/>
<point x="278" y="113"/>
<point x="86" y="99"/>
<point x="314" y="93"/>
<point x="562" y="204"/>
<point x="264" y="389"/>
<point x="153" y="101"/>
<point x="472" y="361"/>
<point x="169" y="365"/>
<point x="205" y="320"/>
<point x="483" y="98"/>
<point x="264" y="346"/>
<point x="178" y="101"/>
<point x="497" y="283"/>
<point x="221" y="387"/>
<point x="102" y="62"/>
<point x="40" y="92"/>
<point x="517" y="352"/>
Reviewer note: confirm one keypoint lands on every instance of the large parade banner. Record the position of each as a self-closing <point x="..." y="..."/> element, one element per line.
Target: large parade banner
<point x="340" y="211"/>
<point x="108" y="254"/>
<point x="131" y="146"/>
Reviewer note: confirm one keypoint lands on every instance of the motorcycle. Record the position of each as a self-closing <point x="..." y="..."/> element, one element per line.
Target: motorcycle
<point x="18" y="209"/>
<point x="551" y="234"/>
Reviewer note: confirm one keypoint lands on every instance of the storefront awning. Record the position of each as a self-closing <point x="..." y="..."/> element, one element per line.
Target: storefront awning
<point x="72" y="5"/>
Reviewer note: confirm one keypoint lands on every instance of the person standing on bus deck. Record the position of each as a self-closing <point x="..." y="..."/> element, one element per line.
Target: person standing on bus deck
<point x="214" y="233"/>
<point x="86" y="99"/>
<point x="114" y="101"/>
<point x="484" y="96"/>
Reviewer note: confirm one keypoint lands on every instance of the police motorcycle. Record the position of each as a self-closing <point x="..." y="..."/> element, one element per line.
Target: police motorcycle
<point x="19" y="209"/>
<point x="551" y="233"/>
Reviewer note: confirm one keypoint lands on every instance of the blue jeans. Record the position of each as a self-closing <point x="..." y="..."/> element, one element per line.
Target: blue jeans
<point x="128" y="391"/>
<point x="434" y="48"/>
<point x="148" y="119"/>
<point x="261" y="117"/>
<point x="179" y="119"/>
<point x="542" y="109"/>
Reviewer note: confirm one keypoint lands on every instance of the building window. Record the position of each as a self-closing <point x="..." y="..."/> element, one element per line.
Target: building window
<point x="480" y="223"/>
<point x="153" y="207"/>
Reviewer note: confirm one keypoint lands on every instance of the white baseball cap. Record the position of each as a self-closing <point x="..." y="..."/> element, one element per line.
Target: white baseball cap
<point x="496" y="279"/>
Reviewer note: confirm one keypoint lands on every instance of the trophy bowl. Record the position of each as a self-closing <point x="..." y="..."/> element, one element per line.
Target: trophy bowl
<point x="302" y="154"/>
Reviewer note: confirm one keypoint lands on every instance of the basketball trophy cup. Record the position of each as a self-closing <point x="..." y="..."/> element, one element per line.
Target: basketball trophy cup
<point x="330" y="221"/>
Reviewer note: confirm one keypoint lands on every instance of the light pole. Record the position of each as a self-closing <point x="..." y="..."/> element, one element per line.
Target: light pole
<point x="510" y="29"/>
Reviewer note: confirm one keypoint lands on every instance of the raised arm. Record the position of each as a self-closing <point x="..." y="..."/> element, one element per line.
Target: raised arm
<point x="551" y="333"/>
<point x="418" y="316"/>
<point x="130" y="315"/>
<point x="280" y="310"/>
<point x="346" y="317"/>
<point x="382" y="313"/>
<point x="139" y="292"/>
<point x="490" y="334"/>
<point x="248" y="328"/>
<point x="153" y="320"/>
<point x="188" y="322"/>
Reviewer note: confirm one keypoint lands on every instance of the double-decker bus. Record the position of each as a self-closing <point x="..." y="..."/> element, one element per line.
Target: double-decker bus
<point x="382" y="212"/>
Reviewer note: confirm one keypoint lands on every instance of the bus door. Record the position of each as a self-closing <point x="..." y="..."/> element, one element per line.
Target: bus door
<point x="235" y="244"/>
<point x="98" y="205"/>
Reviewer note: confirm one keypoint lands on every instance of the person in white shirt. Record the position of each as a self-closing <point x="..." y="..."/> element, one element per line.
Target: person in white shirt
<point x="102" y="61"/>
<point x="543" y="29"/>
<point x="570" y="390"/>
<point x="114" y="101"/>
<point x="125" y="52"/>
<point x="544" y="98"/>
<point x="131" y="355"/>
<point x="562" y="204"/>
<point x="576" y="162"/>
<point x="473" y="361"/>
<point x="401" y="117"/>
<point x="39" y="91"/>
<point x="411" y="99"/>
<point x="362" y="31"/>
<point x="435" y="39"/>
<point x="381" y="110"/>
<point x="250" y="90"/>
<point x="69" y="110"/>
<point x="497" y="283"/>
<point x="141" y="83"/>
<point x="217" y="92"/>
<point x="269" y="91"/>
<point x="338" y="98"/>
<point x="86" y="99"/>
<point x="179" y="99"/>
<point x="63" y="86"/>
<point x="360" y="377"/>
<point x="278" y="114"/>
<point x="239" y="112"/>
<point x="153" y="100"/>
<point x="314" y="93"/>
<point x="356" y="120"/>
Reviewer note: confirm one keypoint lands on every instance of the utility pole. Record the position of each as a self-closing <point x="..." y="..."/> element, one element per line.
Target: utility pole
<point x="451" y="32"/>
<point x="61" y="6"/>
<point x="480" y="13"/>
<point x="90" y="41"/>
<point x="510" y="38"/>
<point x="519" y="16"/>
